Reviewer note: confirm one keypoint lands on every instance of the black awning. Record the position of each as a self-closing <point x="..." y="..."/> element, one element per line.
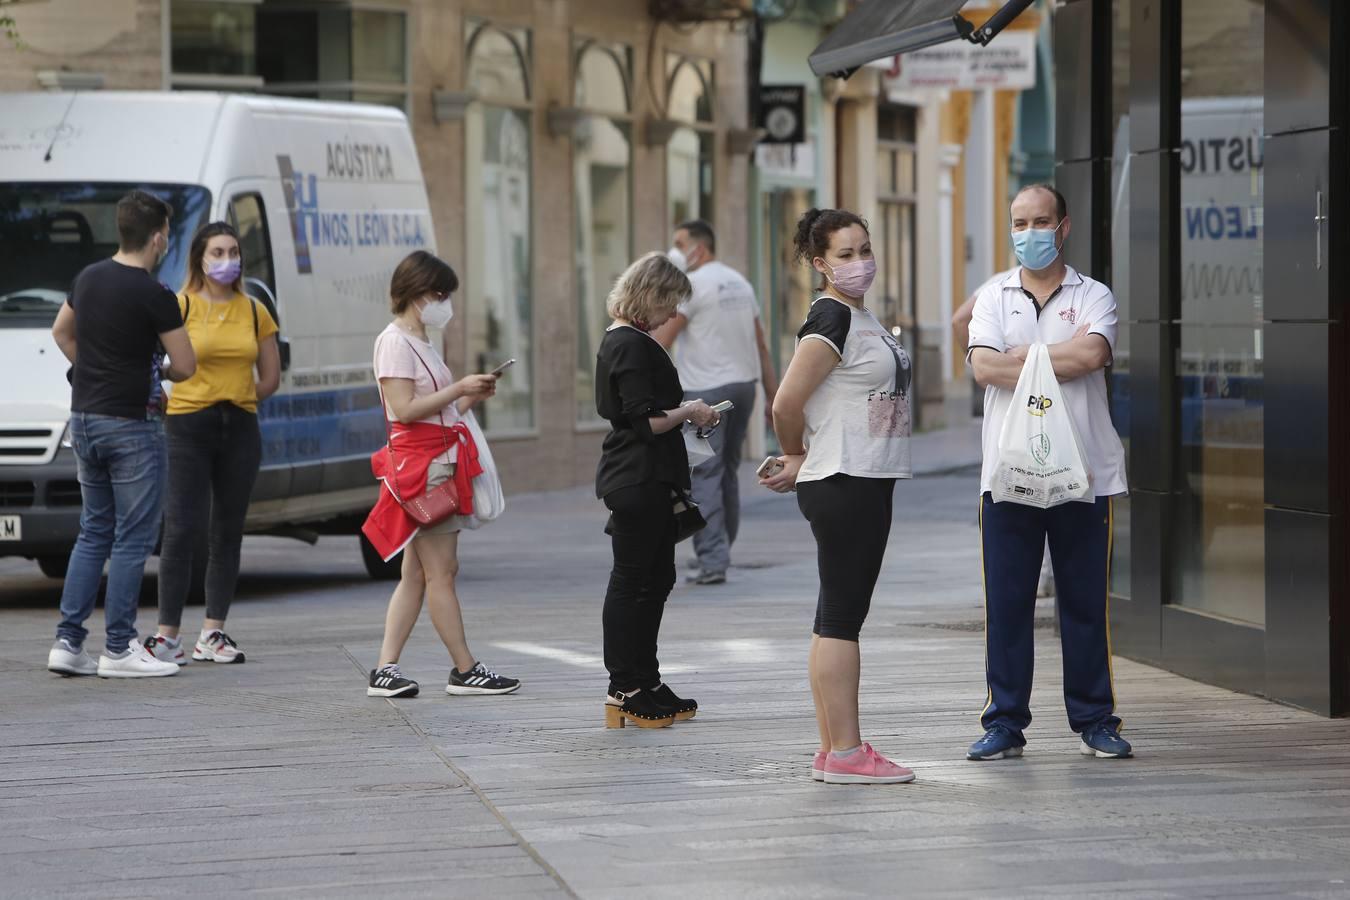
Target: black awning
<point x="881" y="28"/>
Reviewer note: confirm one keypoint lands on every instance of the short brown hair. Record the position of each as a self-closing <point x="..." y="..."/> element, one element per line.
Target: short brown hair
<point x="1061" y="205"/>
<point x="649" y="287"/>
<point x="139" y="216"/>
<point x="419" y="274"/>
<point x="699" y="230"/>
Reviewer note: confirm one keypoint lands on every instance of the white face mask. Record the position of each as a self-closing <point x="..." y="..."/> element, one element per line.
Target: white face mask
<point x="436" y="314"/>
<point x="676" y="255"/>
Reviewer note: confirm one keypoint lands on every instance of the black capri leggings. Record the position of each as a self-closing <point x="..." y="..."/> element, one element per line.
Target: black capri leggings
<point x="851" y="520"/>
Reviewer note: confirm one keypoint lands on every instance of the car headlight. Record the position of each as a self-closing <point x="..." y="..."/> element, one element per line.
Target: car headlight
<point x="65" y="437"/>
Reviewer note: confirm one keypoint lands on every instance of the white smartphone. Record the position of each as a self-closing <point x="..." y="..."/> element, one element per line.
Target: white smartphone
<point x="723" y="406"/>
<point x="503" y="367"/>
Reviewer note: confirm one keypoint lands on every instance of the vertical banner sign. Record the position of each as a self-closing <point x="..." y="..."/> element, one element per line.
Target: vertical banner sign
<point x="782" y="113"/>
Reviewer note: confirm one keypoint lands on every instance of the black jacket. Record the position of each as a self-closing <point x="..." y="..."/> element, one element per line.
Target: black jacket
<point x="636" y="381"/>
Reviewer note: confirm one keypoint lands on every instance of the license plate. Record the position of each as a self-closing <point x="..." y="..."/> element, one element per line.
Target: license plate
<point x="11" y="528"/>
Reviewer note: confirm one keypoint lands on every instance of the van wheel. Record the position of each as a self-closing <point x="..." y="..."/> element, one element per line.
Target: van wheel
<point x="54" y="566"/>
<point x="377" y="568"/>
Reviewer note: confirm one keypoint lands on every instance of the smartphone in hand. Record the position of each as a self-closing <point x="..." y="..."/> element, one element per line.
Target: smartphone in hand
<point x="769" y="467"/>
<point x="503" y="367"/>
<point x="722" y="407"/>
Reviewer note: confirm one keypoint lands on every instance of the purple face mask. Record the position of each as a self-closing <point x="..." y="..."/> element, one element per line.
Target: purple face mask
<point x="852" y="279"/>
<point x="226" y="271"/>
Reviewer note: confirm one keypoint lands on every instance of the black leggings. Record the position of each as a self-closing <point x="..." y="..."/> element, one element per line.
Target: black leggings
<point x="851" y="520"/>
<point x="213" y="461"/>
<point x="643" y="536"/>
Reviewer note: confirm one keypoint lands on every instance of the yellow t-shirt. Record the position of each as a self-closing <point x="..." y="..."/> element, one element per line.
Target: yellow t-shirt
<point x="222" y="337"/>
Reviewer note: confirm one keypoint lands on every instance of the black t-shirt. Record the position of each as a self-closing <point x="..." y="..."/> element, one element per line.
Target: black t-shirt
<point x="635" y="380"/>
<point x="120" y="312"/>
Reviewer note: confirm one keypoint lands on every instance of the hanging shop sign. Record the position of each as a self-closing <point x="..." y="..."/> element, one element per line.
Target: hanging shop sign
<point x="1007" y="63"/>
<point x="782" y="113"/>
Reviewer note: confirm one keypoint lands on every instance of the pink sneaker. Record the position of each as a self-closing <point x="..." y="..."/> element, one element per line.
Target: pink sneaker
<point x="818" y="766"/>
<point x="867" y="766"/>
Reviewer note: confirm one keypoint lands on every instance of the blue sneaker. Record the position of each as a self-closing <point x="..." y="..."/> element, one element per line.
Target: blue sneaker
<point x="1104" y="742"/>
<point x="999" y="742"/>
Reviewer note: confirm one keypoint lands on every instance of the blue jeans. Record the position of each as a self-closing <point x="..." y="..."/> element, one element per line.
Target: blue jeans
<point x="121" y="464"/>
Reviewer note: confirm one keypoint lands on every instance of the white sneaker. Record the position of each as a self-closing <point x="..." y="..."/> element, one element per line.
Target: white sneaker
<point x="164" y="650"/>
<point x="67" y="659"/>
<point x="217" y="647"/>
<point x="134" y="662"/>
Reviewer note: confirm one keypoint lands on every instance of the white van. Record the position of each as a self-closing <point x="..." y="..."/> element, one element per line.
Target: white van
<point x="327" y="198"/>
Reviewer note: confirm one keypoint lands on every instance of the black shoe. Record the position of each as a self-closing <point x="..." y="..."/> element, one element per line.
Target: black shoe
<point x="480" y="680"/>
<point x="389" y="681"/>
<point x="705" y="577"/>
<point x="638" y="707"/>
<point x="684" y="709"/>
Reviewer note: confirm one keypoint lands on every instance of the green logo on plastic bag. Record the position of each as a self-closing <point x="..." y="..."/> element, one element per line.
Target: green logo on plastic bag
<point x="1040" y="448"/>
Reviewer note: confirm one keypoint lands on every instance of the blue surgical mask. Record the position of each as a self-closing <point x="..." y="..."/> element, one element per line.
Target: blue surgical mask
<point x="1035" y="247"/>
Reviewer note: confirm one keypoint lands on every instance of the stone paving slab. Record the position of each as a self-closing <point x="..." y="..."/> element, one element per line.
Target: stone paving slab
<point x="279" y="777"/>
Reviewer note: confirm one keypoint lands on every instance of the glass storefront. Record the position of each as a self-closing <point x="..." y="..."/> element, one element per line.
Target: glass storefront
<point x="689" y="154"/>
<point x="497" y="152"/>
<point x="602" y="157"/>
<point x="1220" y="557"/>
<point x="213" y="38"/>
<point x="1119" y="278"/>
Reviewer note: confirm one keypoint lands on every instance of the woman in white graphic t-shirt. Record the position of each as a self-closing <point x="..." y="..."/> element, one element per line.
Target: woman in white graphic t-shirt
<point x="842" y="416"/>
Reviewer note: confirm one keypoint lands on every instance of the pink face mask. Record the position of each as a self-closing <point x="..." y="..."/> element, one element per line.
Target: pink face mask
<point x="852" y="279"/>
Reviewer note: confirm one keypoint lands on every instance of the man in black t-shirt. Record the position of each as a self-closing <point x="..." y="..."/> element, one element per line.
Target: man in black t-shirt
<point x="115" y="328"/>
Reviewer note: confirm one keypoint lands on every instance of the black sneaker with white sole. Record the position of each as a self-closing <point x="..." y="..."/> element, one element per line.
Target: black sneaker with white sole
<point x="479" y="680"/>
<point x="389" y="681"/>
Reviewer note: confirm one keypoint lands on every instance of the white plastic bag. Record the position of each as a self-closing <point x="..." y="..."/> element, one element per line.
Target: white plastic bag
<point x="1040" y="459"/>
<point x="699" y="448"/>
<point x="488" y="498"/>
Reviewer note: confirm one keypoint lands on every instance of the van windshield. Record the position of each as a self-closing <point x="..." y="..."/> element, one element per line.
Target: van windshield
<point x="50" y="231"/>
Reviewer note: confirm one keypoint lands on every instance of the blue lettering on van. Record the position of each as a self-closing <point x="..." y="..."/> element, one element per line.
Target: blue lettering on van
<point x="1214" y="223"/>
<point x="317" y="227"/>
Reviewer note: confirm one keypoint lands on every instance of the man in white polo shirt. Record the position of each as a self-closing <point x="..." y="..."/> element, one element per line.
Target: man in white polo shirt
<point x="1045" y="301"/>
<point x="720" y="352"/>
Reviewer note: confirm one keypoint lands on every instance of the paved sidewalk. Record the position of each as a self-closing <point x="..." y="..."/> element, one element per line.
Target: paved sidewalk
<point x="280" y="778"/>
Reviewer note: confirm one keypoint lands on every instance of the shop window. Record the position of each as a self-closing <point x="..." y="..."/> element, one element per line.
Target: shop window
<point x="498" y="67"/>
<point x="334" y="52"/>
<point x="893" y="236"/>
<point x="602" y="198"/>
<point x="1118" y="277"/>
<point x="213" y="38"/>
<point x="498" y="272"/>
<point x="689" y="154"/>
<point x="1220" y="558"/>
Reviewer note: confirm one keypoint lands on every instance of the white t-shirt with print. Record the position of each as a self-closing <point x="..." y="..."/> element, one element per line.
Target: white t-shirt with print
<point x="718" y="345"/>
<point x="858" y="421"/>
<point x="401" y="355"/>
<point x="1005" y="316"/>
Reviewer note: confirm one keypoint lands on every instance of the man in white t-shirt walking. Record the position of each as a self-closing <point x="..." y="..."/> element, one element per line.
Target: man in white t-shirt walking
<point x="1045" y="301"/>
<point x="720" y="352"/>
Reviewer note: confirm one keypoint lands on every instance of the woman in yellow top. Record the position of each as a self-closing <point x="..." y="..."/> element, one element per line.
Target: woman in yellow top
<point x="215" y="447"/>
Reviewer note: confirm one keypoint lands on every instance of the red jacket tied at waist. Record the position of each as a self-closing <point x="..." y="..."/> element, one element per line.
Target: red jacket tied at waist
<point x="415" y="446"/>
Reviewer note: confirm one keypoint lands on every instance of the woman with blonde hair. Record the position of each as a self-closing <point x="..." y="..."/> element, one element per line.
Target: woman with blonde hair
<point x="643" y="469"/>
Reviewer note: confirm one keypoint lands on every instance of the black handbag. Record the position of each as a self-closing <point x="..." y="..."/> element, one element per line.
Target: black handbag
<point x="688" y="519"/>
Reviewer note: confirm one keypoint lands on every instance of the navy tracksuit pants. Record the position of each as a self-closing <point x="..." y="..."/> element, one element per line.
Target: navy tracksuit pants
<point x="1013" y="538"/>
